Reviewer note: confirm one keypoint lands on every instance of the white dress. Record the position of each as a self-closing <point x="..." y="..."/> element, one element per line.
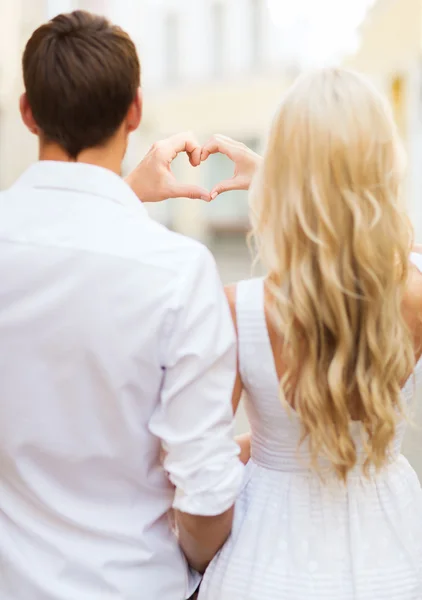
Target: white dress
<point x="296" y="537"/>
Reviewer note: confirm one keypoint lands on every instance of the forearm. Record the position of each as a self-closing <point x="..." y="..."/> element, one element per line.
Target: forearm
<point x="244" y="443"/>
<point x="202" y="537"/>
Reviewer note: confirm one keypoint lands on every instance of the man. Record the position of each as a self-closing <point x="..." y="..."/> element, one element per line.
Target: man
<point x="115" y="342"/>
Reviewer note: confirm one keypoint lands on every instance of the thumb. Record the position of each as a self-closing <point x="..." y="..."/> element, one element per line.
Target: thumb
<point x="181" y="190"/>
<point x="229" y="185"/>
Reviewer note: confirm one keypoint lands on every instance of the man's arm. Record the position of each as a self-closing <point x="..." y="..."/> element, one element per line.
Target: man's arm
<point x="195" y="418"/>
<point x="202" y="537"/>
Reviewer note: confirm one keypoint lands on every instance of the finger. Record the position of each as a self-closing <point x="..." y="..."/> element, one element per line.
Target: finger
<point x="195" y="156"/>
<point x="219" y="144"/>
<point x="182" y="190"/>
<point x="181" y="142"/>
<point x="229" y="185"/>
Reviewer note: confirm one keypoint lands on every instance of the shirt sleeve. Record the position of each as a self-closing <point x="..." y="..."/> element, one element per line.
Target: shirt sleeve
<point x="195" y="418"/>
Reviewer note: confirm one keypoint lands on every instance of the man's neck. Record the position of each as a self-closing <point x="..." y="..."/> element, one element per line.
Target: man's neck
<point x="106" y="158"/>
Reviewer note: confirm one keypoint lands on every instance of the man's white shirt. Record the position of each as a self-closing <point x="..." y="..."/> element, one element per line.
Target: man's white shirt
<point x="115" y="340"/>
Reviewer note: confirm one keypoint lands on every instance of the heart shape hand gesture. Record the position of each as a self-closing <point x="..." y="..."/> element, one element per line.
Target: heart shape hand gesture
<point x="153" y="180"/>
<point x="245" y="162"/>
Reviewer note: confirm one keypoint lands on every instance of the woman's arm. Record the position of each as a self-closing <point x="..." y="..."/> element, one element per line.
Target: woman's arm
<point x="244" y="440"/>
<point x="238" y="385"/>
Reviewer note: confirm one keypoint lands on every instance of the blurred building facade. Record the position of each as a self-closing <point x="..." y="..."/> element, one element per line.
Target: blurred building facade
<point x="390" y="53"/>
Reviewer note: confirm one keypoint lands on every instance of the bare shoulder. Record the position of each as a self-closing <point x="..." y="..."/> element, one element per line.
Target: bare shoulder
<point x="231" y="292"/>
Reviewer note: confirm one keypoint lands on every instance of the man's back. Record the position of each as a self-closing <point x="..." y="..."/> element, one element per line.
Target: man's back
<point x="92" y="302"/>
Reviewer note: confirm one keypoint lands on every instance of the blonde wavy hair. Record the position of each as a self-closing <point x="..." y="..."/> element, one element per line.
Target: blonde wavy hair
<point x="330" y="228"/>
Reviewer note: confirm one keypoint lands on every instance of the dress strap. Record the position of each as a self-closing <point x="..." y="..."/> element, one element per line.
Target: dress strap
<point x="256" y="362"/>
<point x="416" y="259"/>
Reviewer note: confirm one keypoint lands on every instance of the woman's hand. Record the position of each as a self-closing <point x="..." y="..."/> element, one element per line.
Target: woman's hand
<point x="246" y="162"/>
<point x="244" y="443"/>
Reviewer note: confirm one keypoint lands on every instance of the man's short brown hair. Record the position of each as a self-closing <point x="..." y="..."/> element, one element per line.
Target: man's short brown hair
<point x="81" y="75"/>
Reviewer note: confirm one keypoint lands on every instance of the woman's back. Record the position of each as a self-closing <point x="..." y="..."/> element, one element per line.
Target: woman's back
<point x="276" y="429"/>
<point x="304" y="534"/>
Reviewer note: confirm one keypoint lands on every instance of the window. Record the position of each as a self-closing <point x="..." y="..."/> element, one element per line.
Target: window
<point x="217" y="32"/>
<point x="172" y="47"/>
<point x="256" y="7"/>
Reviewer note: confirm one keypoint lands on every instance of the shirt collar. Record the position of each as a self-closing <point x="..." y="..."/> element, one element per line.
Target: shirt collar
<point x="80" y="177"/>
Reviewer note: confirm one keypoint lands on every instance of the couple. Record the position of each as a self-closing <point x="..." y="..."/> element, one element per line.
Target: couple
<point x="117" y="346"/>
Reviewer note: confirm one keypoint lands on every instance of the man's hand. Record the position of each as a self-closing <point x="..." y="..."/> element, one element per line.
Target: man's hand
<point x="245" y="161"/>
<point x="202" y="537"/>
<point x="153" y="180"/>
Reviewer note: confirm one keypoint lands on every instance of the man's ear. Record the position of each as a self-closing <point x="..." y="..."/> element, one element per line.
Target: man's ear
<point x="27" y="116"/>
<point x="134" y="115"/>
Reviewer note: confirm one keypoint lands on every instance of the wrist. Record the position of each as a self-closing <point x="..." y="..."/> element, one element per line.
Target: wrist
<point x="256" y="161"/>
<point x="131" y="181"/>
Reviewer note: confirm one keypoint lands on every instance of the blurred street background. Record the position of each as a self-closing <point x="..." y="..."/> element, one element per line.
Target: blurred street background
<point x="221" y="66"/>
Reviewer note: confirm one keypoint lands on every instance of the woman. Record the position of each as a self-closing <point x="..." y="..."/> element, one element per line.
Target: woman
<point x="328" y="343"/>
